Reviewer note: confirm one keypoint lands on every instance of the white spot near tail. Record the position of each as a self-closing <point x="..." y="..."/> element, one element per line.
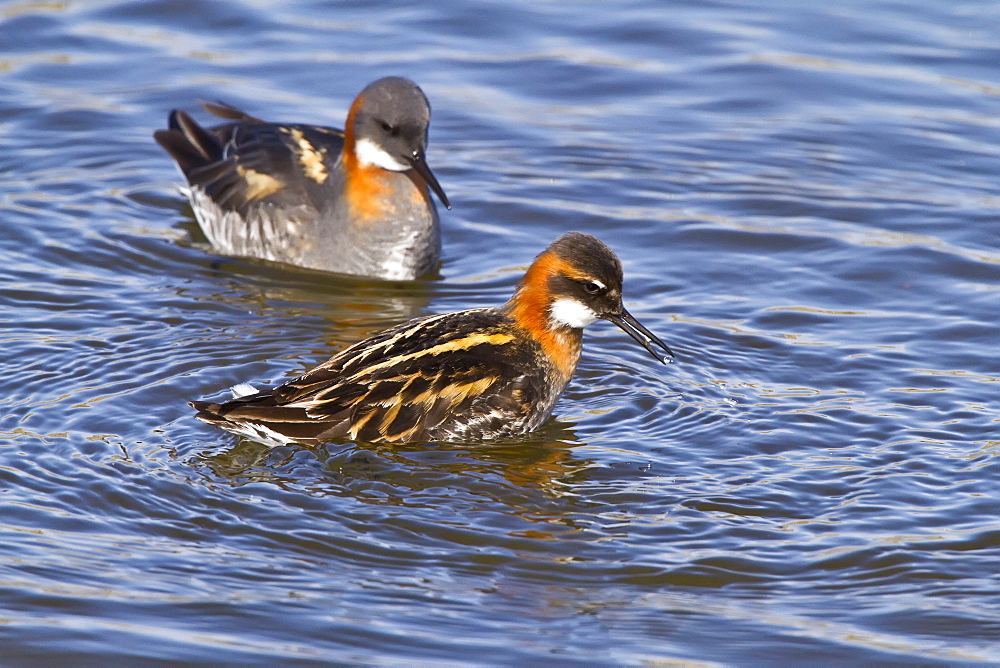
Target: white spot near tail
<point x="370" y="153"/>
<point x="258" y="432"/>
<point x="242" y="390"/>
<point x="569" y="312"/>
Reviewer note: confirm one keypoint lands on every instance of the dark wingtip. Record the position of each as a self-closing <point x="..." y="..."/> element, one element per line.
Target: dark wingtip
<point x="206" y="409"/>
<point x="229" y="112"/>
<point x="208" y="412"/>
<point x="163" y="137"/>
<point x="191" y="145"/>
<point x="172" y="119"/>
<point x="167" y="138"/>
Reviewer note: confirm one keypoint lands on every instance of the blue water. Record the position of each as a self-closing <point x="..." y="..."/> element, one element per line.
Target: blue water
<point x="805" y="200"/>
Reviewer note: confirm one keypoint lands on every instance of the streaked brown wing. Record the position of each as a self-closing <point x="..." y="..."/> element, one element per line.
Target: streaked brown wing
<point x="411" y="401"/>
<point x="407" y="382"/>
<point x="439" y="377"/>
<point x="249" y="161"/>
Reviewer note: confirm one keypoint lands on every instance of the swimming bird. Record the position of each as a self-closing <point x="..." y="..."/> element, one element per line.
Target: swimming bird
<point x="472" y="375"/>
<point x="352" y="201"/>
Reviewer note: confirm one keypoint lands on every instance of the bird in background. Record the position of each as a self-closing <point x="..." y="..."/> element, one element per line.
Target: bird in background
<point x="473" y="375"/>
<point x="352" y="201"/>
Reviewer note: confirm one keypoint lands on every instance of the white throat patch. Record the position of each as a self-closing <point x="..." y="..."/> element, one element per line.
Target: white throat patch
<point x="567" y="312"/>
<point x="369" y="153"/>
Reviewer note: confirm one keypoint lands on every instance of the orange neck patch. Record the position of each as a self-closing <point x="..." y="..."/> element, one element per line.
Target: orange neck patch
<point x="367" y="190"/>
<point x="372" y="193"/>
<point x="530" y="310"/>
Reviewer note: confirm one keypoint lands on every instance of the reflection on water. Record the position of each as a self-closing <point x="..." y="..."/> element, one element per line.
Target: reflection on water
<point x="547" y="466"/>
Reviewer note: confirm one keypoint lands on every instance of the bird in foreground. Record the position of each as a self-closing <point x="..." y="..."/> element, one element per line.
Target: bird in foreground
<point x="352" y="201"/>
<point x="473" y="375"/>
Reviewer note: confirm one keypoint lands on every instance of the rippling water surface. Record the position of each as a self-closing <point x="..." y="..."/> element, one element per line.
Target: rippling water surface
<point x="805" y="199"/>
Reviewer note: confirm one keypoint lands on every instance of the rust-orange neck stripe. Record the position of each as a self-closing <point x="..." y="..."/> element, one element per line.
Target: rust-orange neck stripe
<point x="365" y="188"/>
<point x="349" y="140"/>
<point x="530" y="307"/>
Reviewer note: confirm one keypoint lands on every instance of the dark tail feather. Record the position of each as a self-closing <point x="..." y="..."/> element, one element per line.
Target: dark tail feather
<point x="292" y="424"/>
<point x="199" y="137"/>
<point x="207" y="411"/>
<point x="188" y="143"/>
<point x="223" y="110"/>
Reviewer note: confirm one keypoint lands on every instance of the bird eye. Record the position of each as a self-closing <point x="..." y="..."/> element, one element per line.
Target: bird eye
<point x="386" y="126"/>
<point x="591" y="288"/>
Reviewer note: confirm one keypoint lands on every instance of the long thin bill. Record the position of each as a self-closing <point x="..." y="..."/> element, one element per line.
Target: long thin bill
<point x="419" y="163"/>
<point x="646" y="338"/>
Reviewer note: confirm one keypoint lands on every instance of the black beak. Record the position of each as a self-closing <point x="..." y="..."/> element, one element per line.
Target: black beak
<point x="419" y="163"/>
<point x="634" y="328"/>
